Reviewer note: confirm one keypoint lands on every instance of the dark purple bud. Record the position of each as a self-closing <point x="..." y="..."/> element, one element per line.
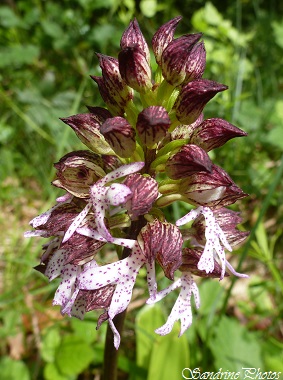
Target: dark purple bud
<point x="86" y="127"/>
<point x="116" y="87"/>
<point x="99" y="114"/>
<point x="193" y="98"/>
<point x="111" y="103"/>
<point x="190" y="261"/>
<point x="96" y="299"/>
<point x="213" y="133"/>
<point x="77" y="171"/>
<point x="196" y="62"/>
<point x="111" y="163"/>
<point x="175" y="58"/>
<point x="152" y="125"/>
<point x="79" y="249"/>
<point x="120" y="135"/>
<point x="163" y="37"/>
<point x="189" y="160"/>
<point x="162" y="241"/>
<point x="215" y="189"/>
<point x="135" y="69"/>
<point x="133" y="36"/>
<point x="144" y="193"/>
<point x="60" y="218"/>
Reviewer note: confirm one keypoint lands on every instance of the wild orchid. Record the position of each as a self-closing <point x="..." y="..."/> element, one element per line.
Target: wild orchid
<point x="147" y="149"/>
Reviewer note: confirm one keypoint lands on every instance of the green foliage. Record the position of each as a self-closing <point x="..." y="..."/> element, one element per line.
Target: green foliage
<point x="47" y="53"/>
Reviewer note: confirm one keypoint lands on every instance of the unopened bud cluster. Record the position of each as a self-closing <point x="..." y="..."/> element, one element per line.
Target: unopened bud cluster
<point x="146" y="149"/>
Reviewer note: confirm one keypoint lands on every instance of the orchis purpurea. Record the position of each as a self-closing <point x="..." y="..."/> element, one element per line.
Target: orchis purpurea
<point x="147" y="148"/>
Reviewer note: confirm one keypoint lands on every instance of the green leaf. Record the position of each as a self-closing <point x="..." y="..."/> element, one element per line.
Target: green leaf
<point x="211" y="295"/>
<point x="85" y="330"/>
<point x="148" y="7"/>
<point x="51" y="373"/>
<point x="170" y="355"/>
<point x="234" y="347"/>
<point x="50" y="343"/>
<point x="18" y="55"/>
<point x="273" y="355"/>
<point x="149" y="318"/>
<point x="13" y="369"/>
<point x="275" y="136"/>
<point x="73" y="355"/>
<point x="8" y="18"/>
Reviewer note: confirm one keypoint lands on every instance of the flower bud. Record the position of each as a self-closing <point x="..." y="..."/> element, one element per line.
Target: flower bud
<point x="152" y="125"/>
<point x="86" y="127"/>
<point x="196" y="62"/>
<point x="213" y="133"/>
<point x="162" y="241"/>
<point x="175" y="58"/>
<point x="193" y="98"/>
<point x="190" y="259"/>
<point x="112" y="105"/>
<point x="77" y="171"/>
<point x="135" y="69"/>
<point x="80" y="249"/>
<point x="144" y="193"/>
<point x="189" y="160"/>
<point x="133" y="36"/>
<point x="96" y="299"/>
<point x="163" y="37"/>
<point x="116" y="87"/>
<point x="215" y="189"/>
<point x="120" y="135"/>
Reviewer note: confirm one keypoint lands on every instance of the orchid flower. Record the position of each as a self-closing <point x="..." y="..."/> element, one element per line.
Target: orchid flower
<point x="102" y="197"/>
<point x="182" y="309"/>
<point x="121" y="273"/>
<point x="214" y="237"/>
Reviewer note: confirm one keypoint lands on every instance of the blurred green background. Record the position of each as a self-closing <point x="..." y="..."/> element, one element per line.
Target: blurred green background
<point x="46" y="56"/>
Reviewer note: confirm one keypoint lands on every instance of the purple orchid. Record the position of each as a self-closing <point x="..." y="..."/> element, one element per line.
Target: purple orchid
<point x="147" y="149"/>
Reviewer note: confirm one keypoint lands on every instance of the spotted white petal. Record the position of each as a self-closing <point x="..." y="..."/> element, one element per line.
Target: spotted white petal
<point x="232" y="270"/>
<point x="182" y="309"/>
<point x="117" y="338"/>
<point x="192" y="215"/>
<point x="76" y="222"/>
<point x="66" y="287"/>
<point x="55" y="265"/>
<point x="118" y="193"/>
<point x="151" y="279"/>
<point x="89" y="232"/>
<point x="120" y="172"/>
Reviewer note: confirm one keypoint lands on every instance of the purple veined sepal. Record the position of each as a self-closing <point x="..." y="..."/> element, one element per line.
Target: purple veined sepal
<point x="135" y="69"/>
<point x="193" y="97"/>
<point x="152" y="125"/>
<point x="120" y="135"/>
<point x="133" y="36"/>
<point x="163" y="37"/>
<point x="86" y="127"/>
<point x="190" y="159"/>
